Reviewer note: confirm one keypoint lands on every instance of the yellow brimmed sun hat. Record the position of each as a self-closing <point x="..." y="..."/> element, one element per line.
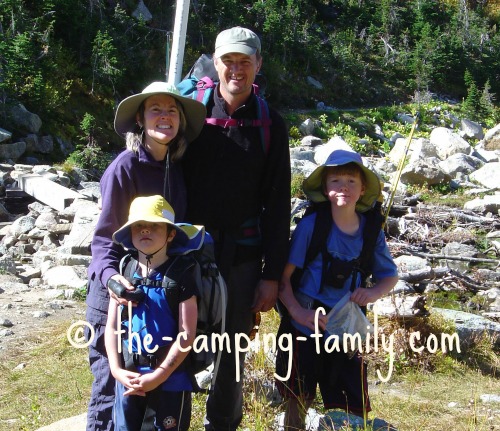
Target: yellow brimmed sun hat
<point x="155" y="209"/>
<point x="194" y="111"/>
<point x="313" y="186"/>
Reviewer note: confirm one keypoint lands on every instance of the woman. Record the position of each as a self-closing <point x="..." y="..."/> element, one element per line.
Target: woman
<point x="157" y="124"/>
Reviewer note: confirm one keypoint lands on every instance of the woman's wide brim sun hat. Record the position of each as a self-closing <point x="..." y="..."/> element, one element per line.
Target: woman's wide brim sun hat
<point x="155" y="209"/>
<point x="313" y="185"/>
<point x="194" y="111"/>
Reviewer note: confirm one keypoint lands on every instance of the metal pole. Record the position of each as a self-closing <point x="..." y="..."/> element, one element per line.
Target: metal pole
<point x="179" y="41"/>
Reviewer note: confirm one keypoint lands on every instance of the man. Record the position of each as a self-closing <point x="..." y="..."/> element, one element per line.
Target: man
<point x="240" y="191"/>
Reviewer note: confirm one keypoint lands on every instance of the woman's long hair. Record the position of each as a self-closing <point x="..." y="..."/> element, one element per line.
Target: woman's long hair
<point x="176" y="147"/>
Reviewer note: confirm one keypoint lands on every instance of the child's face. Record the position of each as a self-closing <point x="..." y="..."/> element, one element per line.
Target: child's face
<point x="344" y="189"/>
<point x="149" y="237"/>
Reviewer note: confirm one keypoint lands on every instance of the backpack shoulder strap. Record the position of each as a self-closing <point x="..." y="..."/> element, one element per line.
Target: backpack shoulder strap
<point x="322" y="227"/>
<point x="265" y="127"/>
<point x="172" y="281"/>
<point x="373" y="225"/>
<point x="128" y="265"/>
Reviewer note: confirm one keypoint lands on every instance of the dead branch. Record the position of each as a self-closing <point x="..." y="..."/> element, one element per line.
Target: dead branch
<point x="469" y="282"/>
<point x="461" y="258"/>
<point x="424" y="274"/>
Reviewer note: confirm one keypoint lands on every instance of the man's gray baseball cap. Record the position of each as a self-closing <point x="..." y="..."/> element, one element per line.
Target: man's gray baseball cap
<point x="237" y="39"/>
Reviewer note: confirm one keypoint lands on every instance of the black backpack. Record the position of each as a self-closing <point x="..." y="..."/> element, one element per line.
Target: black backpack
<point x="336" y="271"/>
<point x="211" y="301"/>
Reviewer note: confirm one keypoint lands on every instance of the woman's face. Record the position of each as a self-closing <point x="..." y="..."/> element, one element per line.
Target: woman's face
<point x="161" y="119"/>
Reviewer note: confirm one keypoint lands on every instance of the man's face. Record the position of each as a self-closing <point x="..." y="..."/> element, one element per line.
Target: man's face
<point x="237" y="72"/>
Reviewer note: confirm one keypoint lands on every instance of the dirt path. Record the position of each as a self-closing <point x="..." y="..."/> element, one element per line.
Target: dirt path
<point x="26" y="311"/>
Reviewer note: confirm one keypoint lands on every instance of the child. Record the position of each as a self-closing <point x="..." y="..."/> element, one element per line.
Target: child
<point x="351" y="189"/>
<point x="146" y="381"/>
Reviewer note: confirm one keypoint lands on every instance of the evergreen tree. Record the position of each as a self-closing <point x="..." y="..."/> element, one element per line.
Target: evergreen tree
<point x="472" y="103"/>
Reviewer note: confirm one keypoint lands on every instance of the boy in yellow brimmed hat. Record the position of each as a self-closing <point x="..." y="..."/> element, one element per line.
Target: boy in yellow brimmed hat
<point x="147" y="371"/>
<point x="351" y="189"/>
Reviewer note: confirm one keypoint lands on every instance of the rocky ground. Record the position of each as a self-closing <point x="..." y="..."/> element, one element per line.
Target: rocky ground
<point x="26" y="311"/>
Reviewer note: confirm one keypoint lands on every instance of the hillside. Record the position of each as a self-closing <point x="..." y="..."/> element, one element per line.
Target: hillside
<point x="64" y="60"/>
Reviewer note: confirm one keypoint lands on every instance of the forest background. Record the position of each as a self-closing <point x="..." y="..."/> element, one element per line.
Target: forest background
<point x="72" y="61"/>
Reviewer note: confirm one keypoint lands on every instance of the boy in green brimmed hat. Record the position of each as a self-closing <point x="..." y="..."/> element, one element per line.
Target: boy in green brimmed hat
<point x="146" y="363"/>
<point x="351" y="189"/>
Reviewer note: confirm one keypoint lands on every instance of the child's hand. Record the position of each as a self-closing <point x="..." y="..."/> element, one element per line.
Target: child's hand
<point x="363" y="296"/>
<point x="305" y="317"/>
<point x="144" y="383"/>
<point x="130" y="380"/>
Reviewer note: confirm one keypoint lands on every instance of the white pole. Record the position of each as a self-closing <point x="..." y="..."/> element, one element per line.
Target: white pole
<point x="179" y="41"/>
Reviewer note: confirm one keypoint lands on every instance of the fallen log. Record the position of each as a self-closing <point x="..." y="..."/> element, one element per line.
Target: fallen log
<point x="424" y="274"/>
<point x="461" y="258"/>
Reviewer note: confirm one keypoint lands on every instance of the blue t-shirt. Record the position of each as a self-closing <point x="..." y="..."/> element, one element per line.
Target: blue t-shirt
<point x="153" y="316"/>
<point x="341" y="246"/>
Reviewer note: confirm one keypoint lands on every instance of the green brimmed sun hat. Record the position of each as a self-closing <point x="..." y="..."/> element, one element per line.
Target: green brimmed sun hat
<point x="155" y="209"/>
<point x="194" y="111"/>
<point x="313" y="185"/>
<point x="236" y="39"/>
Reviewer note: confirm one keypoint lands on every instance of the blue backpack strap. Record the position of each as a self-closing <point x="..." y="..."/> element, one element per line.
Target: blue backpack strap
<point x="198" y="89"/>
<point x="265" y="126"/>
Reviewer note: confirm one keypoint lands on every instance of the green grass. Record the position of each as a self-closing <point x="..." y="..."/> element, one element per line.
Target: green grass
<point x="55" y="383"/>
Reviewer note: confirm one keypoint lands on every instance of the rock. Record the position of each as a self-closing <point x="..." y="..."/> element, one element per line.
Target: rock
<point x="448" y="143"/>
<point x="411" y="263"/>
<point x="460" y="163"/>
<point x="490" y="398"/>
<point x="314" y="83"/>
<point x="6" y="323"/>
<point x="492" y="139"/>
<point x="488" y="175"/>
<point x="311" y="141"/>
<point x="142" y="12"/>
<point x="307" y="127"/>
<point x="458" y="249"/>
<point x="5" y="135"/>
<point x="12" y="151"/>
<point x="471" y="129"/>
<point x="25" y="120"/>
<point x="63" y="277"/>
<point x="301" y="153"/>
<point x="75" y="423"/>
<point x="424" y="171"/>
<point x="469" y="325"/>
<point x="322" y="152"/>
<point x="487" y="204"/>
